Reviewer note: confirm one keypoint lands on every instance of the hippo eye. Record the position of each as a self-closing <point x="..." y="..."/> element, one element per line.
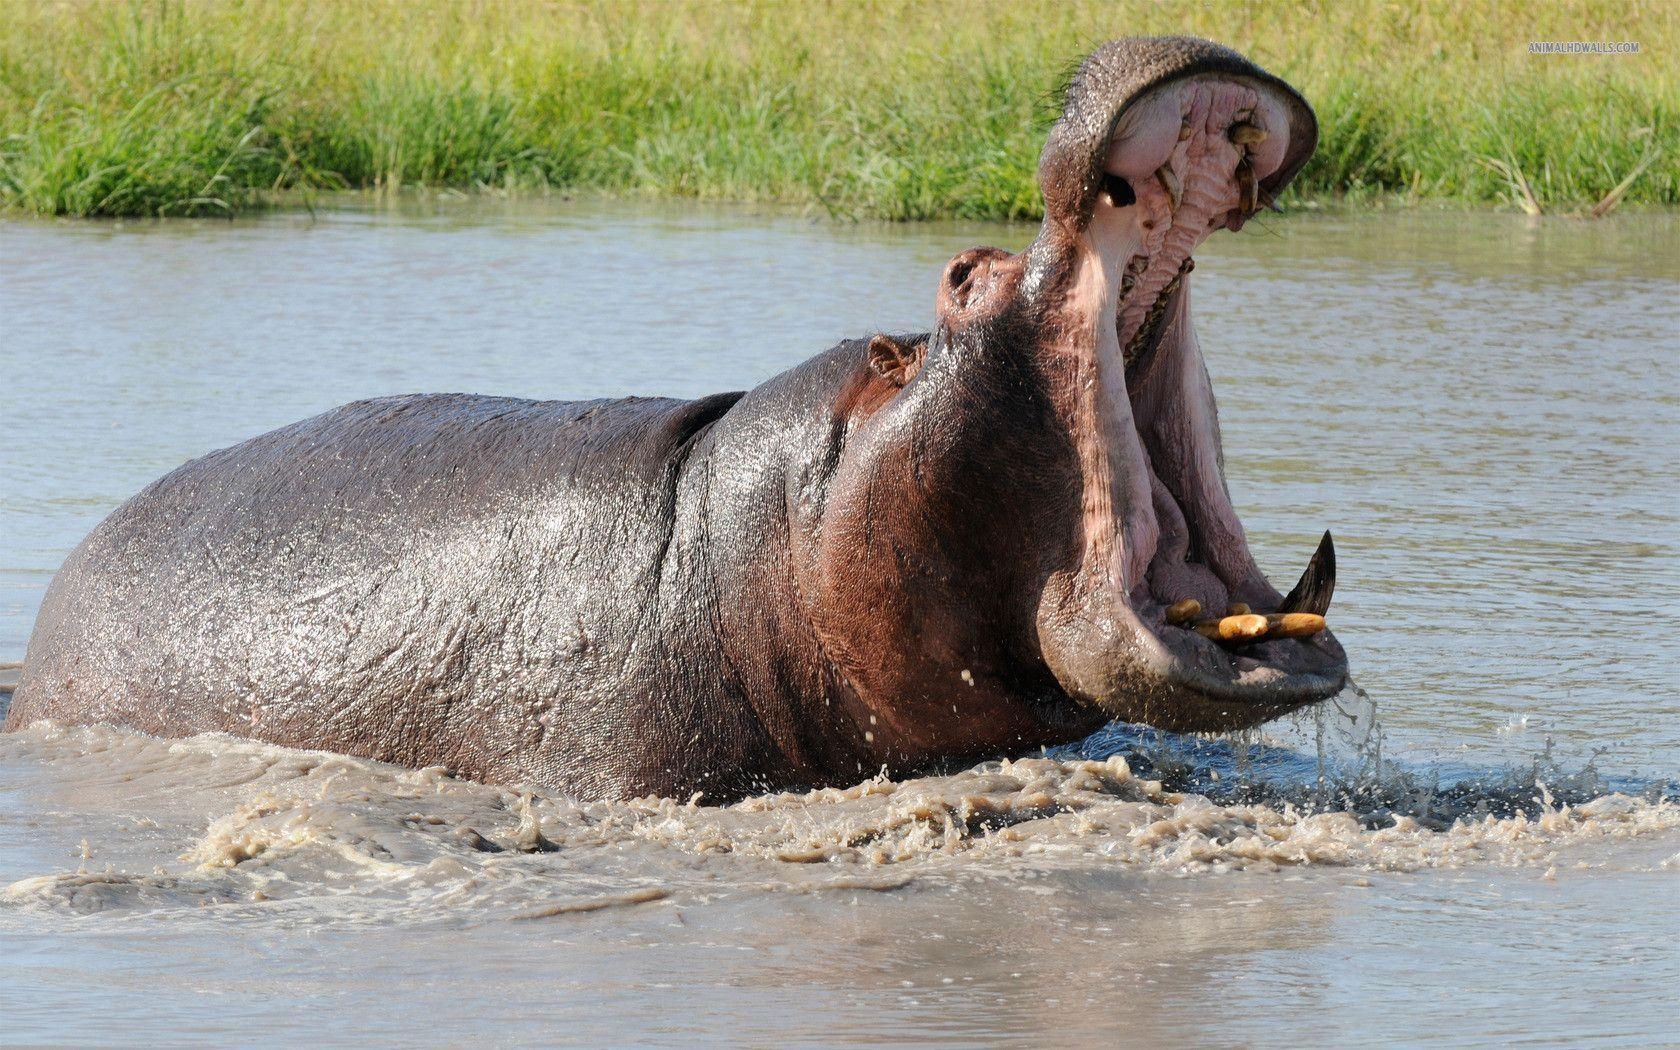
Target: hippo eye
<point x="1119" y="190"/>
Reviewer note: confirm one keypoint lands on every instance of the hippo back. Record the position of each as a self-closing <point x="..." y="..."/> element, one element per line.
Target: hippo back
<point x="343" y="582"/>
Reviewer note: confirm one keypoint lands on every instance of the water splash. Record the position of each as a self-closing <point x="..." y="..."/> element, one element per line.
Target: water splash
<point x="1331" y="759"/>
<point x="241" y="827"/>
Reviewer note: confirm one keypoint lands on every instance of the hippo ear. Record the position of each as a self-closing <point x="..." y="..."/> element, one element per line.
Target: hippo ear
<point x="894" y="361"/>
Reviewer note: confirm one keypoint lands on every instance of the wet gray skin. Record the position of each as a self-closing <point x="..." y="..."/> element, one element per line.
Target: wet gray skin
<point x="904" y="550"/>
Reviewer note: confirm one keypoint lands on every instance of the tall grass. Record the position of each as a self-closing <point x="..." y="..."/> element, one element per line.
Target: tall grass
<point x="865" y="108"/>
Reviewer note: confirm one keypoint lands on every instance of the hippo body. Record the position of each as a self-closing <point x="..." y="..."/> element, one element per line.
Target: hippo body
<point x="588" y="595"/>
<point x="904" y="550"/>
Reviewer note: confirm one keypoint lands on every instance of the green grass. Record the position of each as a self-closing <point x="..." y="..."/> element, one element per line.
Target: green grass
<point x="882" y="110"/>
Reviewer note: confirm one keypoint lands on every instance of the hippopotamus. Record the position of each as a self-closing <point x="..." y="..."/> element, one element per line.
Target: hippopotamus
<point x="912" y="548"/>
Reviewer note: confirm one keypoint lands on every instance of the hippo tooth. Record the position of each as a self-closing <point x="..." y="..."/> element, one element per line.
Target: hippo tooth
<point x="1246" y="134"/>
<point x="1184" y="131"/>
<point x="1182" y="612"/>
<point x="1318" y="583"/>
<point x="1293" y="625"/>
<point x="1234" y="629"/>
<point x="1169" y="182"/>
<point x="1252" y="627"/>
<point x="1238" y="609"/>
<point x="1138" y="264"/>
<point x="1249" y="186"/>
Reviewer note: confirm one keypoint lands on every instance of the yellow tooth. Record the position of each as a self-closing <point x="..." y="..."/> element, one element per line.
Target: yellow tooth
<point x="1234" y="629"/>
<point x="1247" y="134"/>
<point x="1183" y="131"/>
<point x="1238" y="609"/>
<point x="1293" y="625"/>
<point x="1242" y="628"/>
<point x="1169" y="182"/>
<point x="1249" y="187"/>
<point x="1182" y="612"/>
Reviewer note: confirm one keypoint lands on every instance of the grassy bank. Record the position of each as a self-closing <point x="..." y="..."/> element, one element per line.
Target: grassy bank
<point x="867" y="109"/>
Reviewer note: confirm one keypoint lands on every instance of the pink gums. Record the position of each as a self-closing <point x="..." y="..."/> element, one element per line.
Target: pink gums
<point x="1197" y="547"/>
<point x="1204" y="163"/>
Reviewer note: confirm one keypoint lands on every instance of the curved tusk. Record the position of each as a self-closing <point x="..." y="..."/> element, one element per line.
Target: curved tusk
<point x="1247" y="134"/>
<point x="1318" y="583"/>
<point x="1249" y="187"/>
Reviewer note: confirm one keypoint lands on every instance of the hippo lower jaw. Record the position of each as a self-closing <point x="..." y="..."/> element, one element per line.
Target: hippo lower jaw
<point x="1184" y="158"/>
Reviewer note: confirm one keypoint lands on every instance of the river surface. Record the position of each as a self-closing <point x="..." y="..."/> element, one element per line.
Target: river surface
<point x="1482" y="845"/>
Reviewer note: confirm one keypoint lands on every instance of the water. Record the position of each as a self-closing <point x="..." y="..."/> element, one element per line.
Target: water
<point x="1482" y="408"/>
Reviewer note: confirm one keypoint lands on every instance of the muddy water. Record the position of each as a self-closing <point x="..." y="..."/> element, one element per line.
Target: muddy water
<point x="1488" y="847"/>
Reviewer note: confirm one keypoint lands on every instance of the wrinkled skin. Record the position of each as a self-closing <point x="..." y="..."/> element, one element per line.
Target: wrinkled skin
<point x="903" y="550"/>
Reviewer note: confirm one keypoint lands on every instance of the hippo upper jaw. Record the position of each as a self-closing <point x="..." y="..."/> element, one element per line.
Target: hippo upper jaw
<point x="1162" y="142"/>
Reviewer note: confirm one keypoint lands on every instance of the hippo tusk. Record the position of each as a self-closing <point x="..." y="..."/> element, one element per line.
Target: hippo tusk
<point x="1247" y="134"/>
<point x="1249" y="186"/>
<point x="1169" y="182"/>
<point x="1318" y="583"/>
<point x="1300" y="616"/>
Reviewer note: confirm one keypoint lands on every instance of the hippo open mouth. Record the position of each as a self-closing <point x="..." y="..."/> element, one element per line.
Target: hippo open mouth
<point x="1164" y="617"/>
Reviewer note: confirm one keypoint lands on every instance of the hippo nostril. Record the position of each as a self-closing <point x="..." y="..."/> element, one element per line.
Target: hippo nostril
<point x="1119" y="191"/>
<point x="957" y="275"/>
<point x="970" y="276"/>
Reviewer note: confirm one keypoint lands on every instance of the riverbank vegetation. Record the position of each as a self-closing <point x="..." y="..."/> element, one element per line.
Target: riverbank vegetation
<point x="866" y="109"/>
